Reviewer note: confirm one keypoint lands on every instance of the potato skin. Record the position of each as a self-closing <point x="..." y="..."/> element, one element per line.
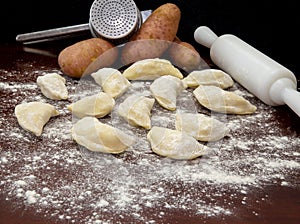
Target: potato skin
<point x="74" y="59"/>
<point x="154" y="36"/>
<point x="184" y="55"/>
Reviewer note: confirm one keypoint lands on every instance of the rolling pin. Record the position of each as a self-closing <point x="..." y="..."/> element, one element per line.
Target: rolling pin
<point x="268" y="80"/>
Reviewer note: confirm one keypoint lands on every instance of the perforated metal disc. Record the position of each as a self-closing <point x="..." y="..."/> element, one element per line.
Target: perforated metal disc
<point x="114" y="19"/>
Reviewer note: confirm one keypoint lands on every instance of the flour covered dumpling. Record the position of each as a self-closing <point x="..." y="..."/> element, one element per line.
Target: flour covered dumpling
<point x="97" y="105"/>
<point x="219" y="100"/>
<point x="53" y="86"/>
<point x="99" y="137"/>
<point x="136" y="110"/>
<point x="200" y="126"/>
<point x="112" y="81"/>
<point x="174" y="144"/>
<point x="165" y="90"/>
<point x="214" y="77"/>
<point x="150" y="69"/>
<point x="33" y="116"/>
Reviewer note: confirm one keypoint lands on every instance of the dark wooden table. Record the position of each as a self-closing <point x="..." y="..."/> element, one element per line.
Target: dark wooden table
<point x="275" y="199"/>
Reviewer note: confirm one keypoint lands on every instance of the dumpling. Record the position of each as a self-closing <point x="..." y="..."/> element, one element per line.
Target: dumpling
<point x="34" y="115"/>
<point x="97" y="105"/>
<point x="213" y="77"/>
<point x="174" y="144"/>
<point x="200" y="126"/>
<point x="112" y="81"/>
<point x="53" y="86"/>
<point x="136" y="110"/>
<point x="96" y="136"/>
<point x="219" y="100"/>
<point x="150" y="69"/>
<point x="166" y="89"/>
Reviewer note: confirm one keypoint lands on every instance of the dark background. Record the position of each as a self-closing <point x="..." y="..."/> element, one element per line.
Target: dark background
<point x="270" y="26"/>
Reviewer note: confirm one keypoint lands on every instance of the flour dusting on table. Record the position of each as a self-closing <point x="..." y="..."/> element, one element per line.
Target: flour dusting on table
<point x="68" y="183"/>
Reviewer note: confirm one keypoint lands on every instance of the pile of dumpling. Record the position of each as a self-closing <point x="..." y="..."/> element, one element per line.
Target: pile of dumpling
<point x="167" y="84"/>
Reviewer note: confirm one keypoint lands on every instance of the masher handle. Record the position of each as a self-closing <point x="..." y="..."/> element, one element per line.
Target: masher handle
<point x="53" y="34"/>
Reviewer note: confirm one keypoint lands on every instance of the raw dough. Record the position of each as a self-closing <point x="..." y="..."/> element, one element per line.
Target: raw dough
<point x="213" y="77"/>
<point x="97" y="105"/>
<point x="219" y="100"/>
<point x="174" y="144"/>
<point x="136" y="110"/>
<point x="34" y="115"/>
<point x="112" y="81"/>
<point x="96" y="136"/>
<point x="200" y="126"/>
<point x="53" y="86"/>
<point x="150" y="69"/>
<point x="165" y="90"/>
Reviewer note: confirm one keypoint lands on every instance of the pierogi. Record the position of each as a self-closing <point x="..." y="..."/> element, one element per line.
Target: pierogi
<point x="175" y="144"/>
<point x="97" y="105"/>
<point x="33" y="116"/>
<point x="219" y="100"/>
<point x="53" y="86"/>
<point x="136" y="110"/>
<point x="200" y="126"/>
<point x="150" y="69"/>
<point x="212" y="77"/>
<point x="112" y="81"/>
<point x="165" y="90"/>
<point x="99" y="137"/>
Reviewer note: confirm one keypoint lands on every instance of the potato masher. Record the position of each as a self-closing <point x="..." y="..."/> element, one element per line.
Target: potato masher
<point x="115" y="21"/>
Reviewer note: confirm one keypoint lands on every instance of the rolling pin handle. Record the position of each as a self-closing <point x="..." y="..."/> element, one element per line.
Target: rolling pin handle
<point x="283" y="91"/>
<point x="205" y="36"/>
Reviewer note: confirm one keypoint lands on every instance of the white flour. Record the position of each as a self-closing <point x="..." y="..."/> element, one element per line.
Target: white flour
<point x="63" y="181"/>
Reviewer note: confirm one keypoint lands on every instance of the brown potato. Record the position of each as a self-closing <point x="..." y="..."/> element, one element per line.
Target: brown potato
<point x="184" y="55"/>
<point x="74" y="60"/>
<point x="154" y="36"/>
